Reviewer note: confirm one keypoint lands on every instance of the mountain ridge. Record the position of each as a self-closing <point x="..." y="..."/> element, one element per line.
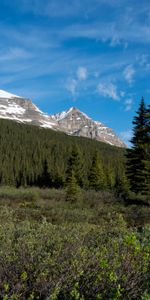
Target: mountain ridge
<point x="72" y="121"/>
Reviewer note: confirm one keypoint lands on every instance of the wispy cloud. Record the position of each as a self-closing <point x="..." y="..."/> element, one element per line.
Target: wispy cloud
<point x="14" y="53"/>
<point x="74" y="84"/>
<point x="128" y="104"/>
<point x="129" y="73"/>
<point x="70" y="46"/>
<point x="82" y="73"/>
<point x="143" y="60"/>
<point x="115" y="41"/>
<point x="123" y="27"/>
<point x="71" y="86"/>
<point x="54" y="8"/>
<point x="108" y="90"/>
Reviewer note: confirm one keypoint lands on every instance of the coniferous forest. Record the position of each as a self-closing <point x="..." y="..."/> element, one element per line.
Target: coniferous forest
<point x="31" y="156"/>
<point x="74" y="215"/>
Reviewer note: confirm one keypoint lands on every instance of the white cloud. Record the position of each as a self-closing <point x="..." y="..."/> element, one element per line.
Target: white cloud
<point x="72" y="86"/>
<point x="108" y="90"/>
<point x="128" y="104"/>
<point x="129" y="73"/>
<point x="82" y="73"/>
<point x="126" y="136"/>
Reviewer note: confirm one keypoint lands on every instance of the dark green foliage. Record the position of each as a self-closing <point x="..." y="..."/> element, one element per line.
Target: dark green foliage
<point x="72" y="188"/>
<point x="42" y="157"/>
<point x="96" y="174"/>
<point x="75" y="165"/>
<point x="138" y="157"/>
<point x="111" y="174"/>
<point x="44" y="180"/>
<point x="147" y="151"/>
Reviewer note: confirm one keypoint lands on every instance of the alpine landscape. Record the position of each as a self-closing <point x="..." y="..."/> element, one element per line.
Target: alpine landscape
<point x="74" y="150"/>
<point x="72" y="121"/>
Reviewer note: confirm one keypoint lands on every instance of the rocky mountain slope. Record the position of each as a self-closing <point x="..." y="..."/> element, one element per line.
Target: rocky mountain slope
<point x="72" y="122"/>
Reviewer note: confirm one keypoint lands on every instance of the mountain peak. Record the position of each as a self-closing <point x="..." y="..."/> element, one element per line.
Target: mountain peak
<point x="74" y="122"/>
<point x="73" y="113"/>
<point x="73" y="109"/>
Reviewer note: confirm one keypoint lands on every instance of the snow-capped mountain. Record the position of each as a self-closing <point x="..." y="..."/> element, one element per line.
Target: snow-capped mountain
<point x="22" y="110"/>
<point x="72" y="122"/>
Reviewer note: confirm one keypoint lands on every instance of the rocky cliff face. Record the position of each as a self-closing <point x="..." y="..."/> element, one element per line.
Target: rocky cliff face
<point x="76" y="123"/>
<point x="72" y="122"/>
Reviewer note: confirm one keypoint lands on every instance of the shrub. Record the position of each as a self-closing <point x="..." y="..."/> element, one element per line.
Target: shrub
<point x="39" y="260"/>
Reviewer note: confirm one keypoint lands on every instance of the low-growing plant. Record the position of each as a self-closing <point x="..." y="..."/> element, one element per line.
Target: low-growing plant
<point x="39" y="260"/>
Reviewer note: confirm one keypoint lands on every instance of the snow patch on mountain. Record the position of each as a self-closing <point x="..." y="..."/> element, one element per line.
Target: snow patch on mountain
<point x="12" y="108"/>
<point x="4" y="94"/>
<point x="72" y="121"/>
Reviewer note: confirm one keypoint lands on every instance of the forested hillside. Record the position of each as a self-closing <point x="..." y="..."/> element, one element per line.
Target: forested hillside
<point x="85" y="235"/>
<point x="33" y="156"/>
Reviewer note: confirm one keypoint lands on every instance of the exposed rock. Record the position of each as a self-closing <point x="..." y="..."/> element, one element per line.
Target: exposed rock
<point x="72" y="122"/>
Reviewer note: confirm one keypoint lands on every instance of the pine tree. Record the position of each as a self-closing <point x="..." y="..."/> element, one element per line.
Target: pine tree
<point x="137" y="155"/>
<point x="122" y="186"/>
<point x="110" y="176"/>
<point x="72" y="189"/>
<point x="96" y="174"/>
<point x="36" y="156"/>
<point x="146" y="161"/>
<point x="76" y="164"/>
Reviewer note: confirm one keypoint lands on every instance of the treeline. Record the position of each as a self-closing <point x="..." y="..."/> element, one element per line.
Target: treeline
<point x="32" y="156"/>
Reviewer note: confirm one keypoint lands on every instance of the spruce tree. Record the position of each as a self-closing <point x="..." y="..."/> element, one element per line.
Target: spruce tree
<point x="72" y="189"/>
<point x="137" y="155"/>
<point x="96" y="174"/>
<point x="110" y="176"/>
<point x="76" y="164"/>
<point x="121" y="186"/>
<point x="146" y="146"/>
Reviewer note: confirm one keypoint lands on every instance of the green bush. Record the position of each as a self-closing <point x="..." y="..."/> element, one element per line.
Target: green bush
<point x="12" y="193"/>
<point x="39" y="260"/>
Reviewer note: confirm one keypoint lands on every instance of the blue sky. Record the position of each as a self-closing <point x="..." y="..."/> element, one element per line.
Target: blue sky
<point x="92" y="54"/>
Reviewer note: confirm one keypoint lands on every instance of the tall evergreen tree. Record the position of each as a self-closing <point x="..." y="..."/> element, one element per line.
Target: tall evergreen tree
<point x="147" y="152"/>
<point x="110" y="176"/>
<point x="76" y="164"/>
<point x="137" y="155"/>
<point x="96" y="175"/>
<point x="73" y="192"/>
